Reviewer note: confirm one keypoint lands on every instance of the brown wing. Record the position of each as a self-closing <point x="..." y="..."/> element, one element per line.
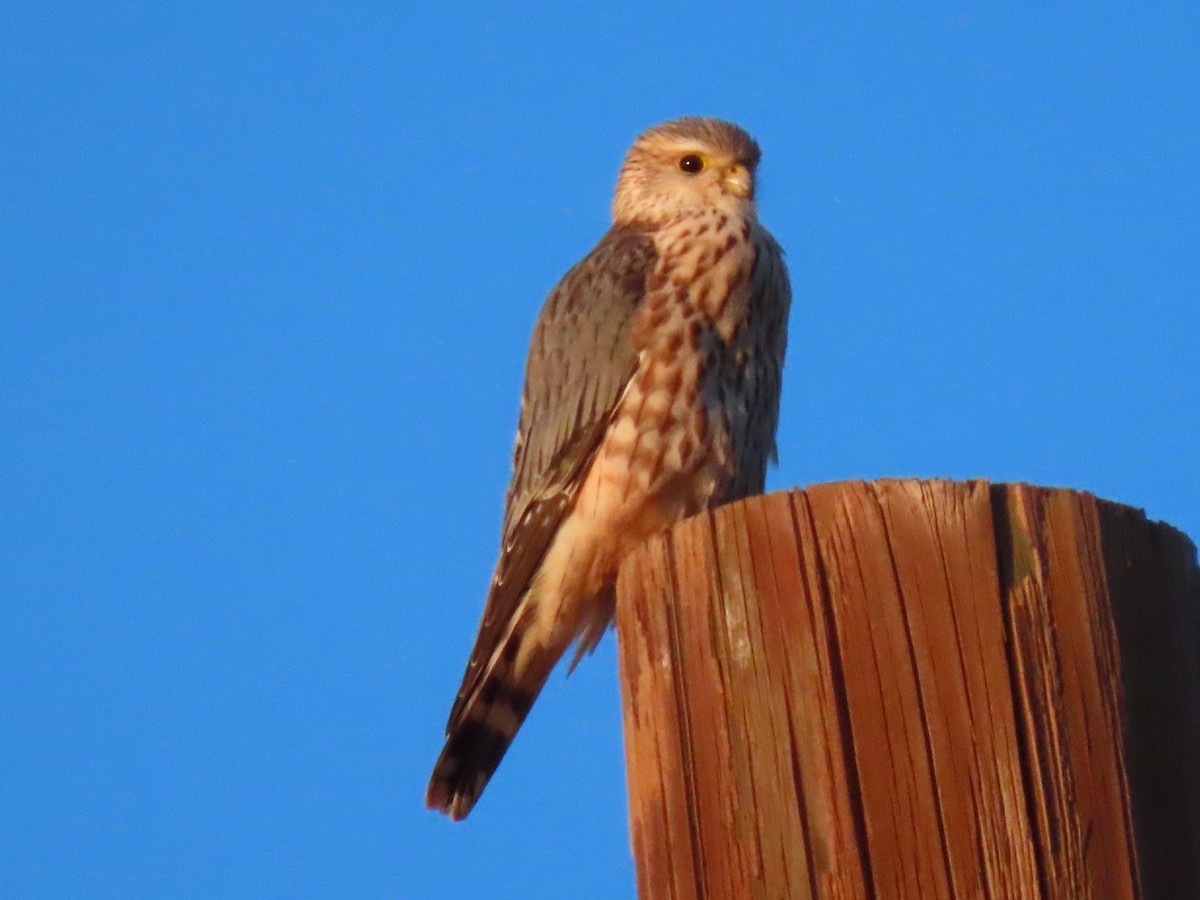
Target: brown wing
<point x="770" y="302"/>
<point x="580" y="359"/>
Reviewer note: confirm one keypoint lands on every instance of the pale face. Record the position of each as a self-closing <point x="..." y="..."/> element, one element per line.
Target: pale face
<point x="666" y="175"/>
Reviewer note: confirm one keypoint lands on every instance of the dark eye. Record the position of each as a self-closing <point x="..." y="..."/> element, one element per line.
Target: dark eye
<point x="691" y="164"/>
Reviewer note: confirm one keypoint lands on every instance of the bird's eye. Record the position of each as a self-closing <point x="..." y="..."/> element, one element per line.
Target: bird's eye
<point x="691" y="164"/>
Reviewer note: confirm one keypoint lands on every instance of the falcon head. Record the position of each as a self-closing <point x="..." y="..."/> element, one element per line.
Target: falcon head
<point x="686" y="165"/>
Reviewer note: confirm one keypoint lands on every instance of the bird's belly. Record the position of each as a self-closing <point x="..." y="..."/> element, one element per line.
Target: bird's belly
<point x="660" y="461"/>
<point x="670" y="450"/>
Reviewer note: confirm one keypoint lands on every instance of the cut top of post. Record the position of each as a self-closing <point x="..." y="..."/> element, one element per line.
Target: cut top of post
<point x="913" y="689"/>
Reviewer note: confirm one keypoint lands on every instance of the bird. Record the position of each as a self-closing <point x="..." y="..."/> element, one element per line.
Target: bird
<point x="651" y="393"/>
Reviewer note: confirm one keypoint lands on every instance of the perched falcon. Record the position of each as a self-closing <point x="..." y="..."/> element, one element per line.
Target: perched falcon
<point x="651" y="393"/>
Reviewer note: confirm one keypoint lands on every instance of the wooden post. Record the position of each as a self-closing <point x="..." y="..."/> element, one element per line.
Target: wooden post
<point x="913" y="689"/>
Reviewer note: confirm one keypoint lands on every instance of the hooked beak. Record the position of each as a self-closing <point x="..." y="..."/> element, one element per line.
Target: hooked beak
<point x="739" y="182"/>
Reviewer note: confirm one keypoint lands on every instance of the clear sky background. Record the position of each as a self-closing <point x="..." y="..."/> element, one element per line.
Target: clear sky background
<point x="267" y="276"/>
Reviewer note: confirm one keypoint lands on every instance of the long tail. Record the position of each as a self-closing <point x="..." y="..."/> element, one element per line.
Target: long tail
<point x="478" y="736"/>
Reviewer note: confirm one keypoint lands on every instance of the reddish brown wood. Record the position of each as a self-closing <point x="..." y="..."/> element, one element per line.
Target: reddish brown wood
<point x="913" y="689"/>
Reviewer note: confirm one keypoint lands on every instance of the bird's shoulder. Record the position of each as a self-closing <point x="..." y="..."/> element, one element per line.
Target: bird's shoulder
<point x="581" y="355"/>
<point x="604" y="286"/>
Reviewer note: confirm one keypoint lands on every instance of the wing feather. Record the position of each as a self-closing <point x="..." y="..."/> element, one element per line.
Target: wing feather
<point x="580" y="359"/>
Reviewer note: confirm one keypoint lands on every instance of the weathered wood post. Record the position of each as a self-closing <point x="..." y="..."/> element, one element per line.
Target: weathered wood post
<point x="913" y="689"/>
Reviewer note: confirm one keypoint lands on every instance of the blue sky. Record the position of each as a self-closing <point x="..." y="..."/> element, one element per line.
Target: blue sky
<point x="267" y="275"/>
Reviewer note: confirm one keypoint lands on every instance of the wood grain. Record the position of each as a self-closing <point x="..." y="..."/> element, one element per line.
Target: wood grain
<point x="913" y="689"/>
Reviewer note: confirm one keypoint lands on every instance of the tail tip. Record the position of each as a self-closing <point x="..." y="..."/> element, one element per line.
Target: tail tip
<point x="449" y="800"/>
<point x="450" y="796"/>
